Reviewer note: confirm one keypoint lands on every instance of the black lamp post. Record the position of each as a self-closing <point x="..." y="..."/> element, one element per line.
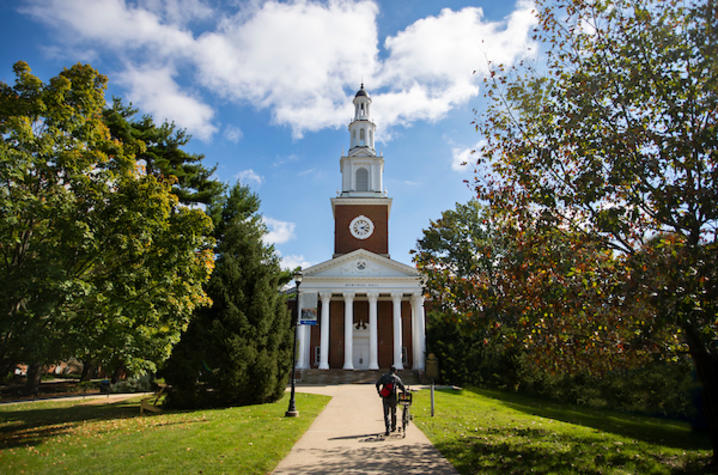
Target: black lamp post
<point x="292" y="410"/>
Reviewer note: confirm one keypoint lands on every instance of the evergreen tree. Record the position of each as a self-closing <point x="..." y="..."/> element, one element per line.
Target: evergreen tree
<point x="160" y="148"/>
<point x="238" y="351"/>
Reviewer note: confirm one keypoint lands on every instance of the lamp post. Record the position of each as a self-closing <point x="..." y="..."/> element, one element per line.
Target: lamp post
<point x="292" y="410"/>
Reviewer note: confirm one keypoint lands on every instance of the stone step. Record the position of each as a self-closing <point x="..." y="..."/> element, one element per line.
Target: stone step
<point x="340" y="376"/>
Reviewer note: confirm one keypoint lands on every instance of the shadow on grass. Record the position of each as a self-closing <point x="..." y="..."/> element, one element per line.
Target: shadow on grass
<point x="540" y="451"/>
<point x="664" y="432"/>
<point x="28" y="426"/>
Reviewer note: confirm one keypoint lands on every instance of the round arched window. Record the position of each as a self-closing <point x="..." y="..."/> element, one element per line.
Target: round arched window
<point x="362" y="179"/>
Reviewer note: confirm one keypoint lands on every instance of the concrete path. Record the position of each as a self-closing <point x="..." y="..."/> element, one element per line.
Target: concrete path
<point x="89" y="398"/>
<point x="348" y="437"/>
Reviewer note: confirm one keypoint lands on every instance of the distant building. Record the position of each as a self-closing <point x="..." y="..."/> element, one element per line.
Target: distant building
<point x="369" y="309"/>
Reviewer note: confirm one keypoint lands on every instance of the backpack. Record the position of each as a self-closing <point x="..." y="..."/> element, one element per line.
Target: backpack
<point x="387" y="390"/>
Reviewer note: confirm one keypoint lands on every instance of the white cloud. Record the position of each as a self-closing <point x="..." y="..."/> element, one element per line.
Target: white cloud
<point x="233" y="134"/>
<point x="293" y="261"/>
<point x="295" y="58"/>
<point x="111" y="22"/>
<point x="461" y="159"/>
<point x="300" y="59"/>
<point x="156" y="92"/>
<point x="279" y="231"/>
<point x="431" y="62"/>
<point x="281" y="161"/>
<point x="249" y="176"/>
<point x="178" y="12"/>
<point x="464" y="159"/>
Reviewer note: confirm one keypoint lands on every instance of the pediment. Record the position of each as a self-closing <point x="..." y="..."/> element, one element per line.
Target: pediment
<point x="361" y="264"/>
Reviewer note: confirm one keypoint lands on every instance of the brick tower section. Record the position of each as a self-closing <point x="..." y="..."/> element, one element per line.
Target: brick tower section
<point x="377" y="243"/>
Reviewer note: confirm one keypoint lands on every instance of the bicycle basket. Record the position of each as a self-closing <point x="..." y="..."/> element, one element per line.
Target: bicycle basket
<point x="405" y="398"/>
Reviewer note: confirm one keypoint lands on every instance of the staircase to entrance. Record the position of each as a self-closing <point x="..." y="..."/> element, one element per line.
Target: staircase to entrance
<point x="341" y="376"/>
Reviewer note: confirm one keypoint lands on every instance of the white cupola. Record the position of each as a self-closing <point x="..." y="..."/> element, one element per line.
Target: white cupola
<point x="362" y="169"/>
<point x="361" y="129"/>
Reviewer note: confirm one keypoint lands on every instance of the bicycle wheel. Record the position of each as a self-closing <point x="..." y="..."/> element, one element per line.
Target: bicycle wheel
<point x="404" y="420"/>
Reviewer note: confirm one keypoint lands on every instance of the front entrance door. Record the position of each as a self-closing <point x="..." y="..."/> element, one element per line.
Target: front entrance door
<point x="360" y="346"/>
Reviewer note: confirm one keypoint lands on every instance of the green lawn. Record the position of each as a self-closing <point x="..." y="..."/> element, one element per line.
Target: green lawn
<point x="77" y="437"/>
<point x="483" y="431"/>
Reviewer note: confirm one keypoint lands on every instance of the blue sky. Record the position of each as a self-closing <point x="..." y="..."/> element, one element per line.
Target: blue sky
<point x="265" y="89"/>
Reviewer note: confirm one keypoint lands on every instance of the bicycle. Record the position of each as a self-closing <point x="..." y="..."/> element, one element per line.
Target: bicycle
<point x="405" y="401"/>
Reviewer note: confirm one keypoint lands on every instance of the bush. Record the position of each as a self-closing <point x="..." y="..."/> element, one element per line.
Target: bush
<point x="137" y="384"/>
<point x="469" y="356"/>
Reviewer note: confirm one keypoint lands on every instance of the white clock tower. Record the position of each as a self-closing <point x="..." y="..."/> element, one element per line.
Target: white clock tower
<point x="370" y="308"/>
<point x="361" y="211"/>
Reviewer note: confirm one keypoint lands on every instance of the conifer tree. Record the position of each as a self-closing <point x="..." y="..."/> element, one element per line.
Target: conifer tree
<point x="238" y="351"/>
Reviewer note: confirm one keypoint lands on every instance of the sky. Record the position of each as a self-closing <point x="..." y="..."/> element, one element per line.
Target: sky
<point x="265" y="90"/>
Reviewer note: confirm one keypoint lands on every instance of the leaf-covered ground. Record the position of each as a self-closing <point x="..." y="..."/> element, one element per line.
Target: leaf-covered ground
<point x="482" y="431"/>
<point x="77" y="437"/>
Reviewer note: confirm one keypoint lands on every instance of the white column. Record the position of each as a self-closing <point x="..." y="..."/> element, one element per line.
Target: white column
<point x="373" y="341"/>
<point x="307" y="345"/>
<point x="348" y="329"/>
<point x="301" y="347"/>
<point x="419" y="338"/>
<point x="396" y="299"/>
<point x="301" y="340"/>
<point x="414" y="332"/>
<point x="324" y="337"/>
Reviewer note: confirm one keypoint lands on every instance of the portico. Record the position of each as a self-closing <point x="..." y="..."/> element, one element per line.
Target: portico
<point x="370" y="314"/>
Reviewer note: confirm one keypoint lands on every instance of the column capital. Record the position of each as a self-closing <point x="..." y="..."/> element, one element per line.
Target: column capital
<point x="397" y="295"/>
<point x="325" y="295"/>
<point x="418" y="297"/>
<point x="372" y="296"/>
<point x="348" y="295"/>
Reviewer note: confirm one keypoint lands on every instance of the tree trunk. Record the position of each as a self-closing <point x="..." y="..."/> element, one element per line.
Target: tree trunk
<point x="32" y="383"/>
<point x="87" y="370"/>
<point x="707" y="369"/>
<point x="116" y="374"/>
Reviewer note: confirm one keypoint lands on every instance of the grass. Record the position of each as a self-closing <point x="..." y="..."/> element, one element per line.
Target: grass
<point x="78" y="437"/>
<point x="482" y="431"/>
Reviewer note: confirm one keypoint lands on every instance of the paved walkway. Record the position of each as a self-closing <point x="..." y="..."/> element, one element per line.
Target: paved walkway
<point x="89" y="398"/>
<point x="348" y="437"/>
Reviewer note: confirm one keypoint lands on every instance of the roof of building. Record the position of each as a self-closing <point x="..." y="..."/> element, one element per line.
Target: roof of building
<point x="361" y="92"/>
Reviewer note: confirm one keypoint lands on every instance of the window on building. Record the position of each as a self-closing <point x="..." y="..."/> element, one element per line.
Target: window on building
<point x="362" y="179"/>
<point x="362" y="136"/>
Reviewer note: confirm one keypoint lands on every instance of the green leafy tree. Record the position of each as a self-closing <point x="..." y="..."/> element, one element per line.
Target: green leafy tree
<point x="238" y="351"/>
<point x="526" y="308"/>
<point x="516" y="287"/>
<point x="93" y="257"/>
<point x="615" y="143"/>
<point x="462" y="255"/>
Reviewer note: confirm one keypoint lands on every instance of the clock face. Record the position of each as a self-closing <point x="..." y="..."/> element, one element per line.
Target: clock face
<point x="361" y="227"/>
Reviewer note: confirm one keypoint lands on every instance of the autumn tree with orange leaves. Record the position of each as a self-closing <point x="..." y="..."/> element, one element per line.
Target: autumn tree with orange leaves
<point x="614" y="144"/>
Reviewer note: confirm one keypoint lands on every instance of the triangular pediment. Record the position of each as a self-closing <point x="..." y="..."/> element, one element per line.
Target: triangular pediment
<point x="360" y="264"/>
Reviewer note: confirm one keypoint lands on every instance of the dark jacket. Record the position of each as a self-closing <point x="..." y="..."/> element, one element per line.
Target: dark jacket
<point x="390" y="378"/>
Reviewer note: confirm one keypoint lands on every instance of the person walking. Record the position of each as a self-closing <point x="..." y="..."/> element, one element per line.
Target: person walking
<point x="389" y="383"/>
